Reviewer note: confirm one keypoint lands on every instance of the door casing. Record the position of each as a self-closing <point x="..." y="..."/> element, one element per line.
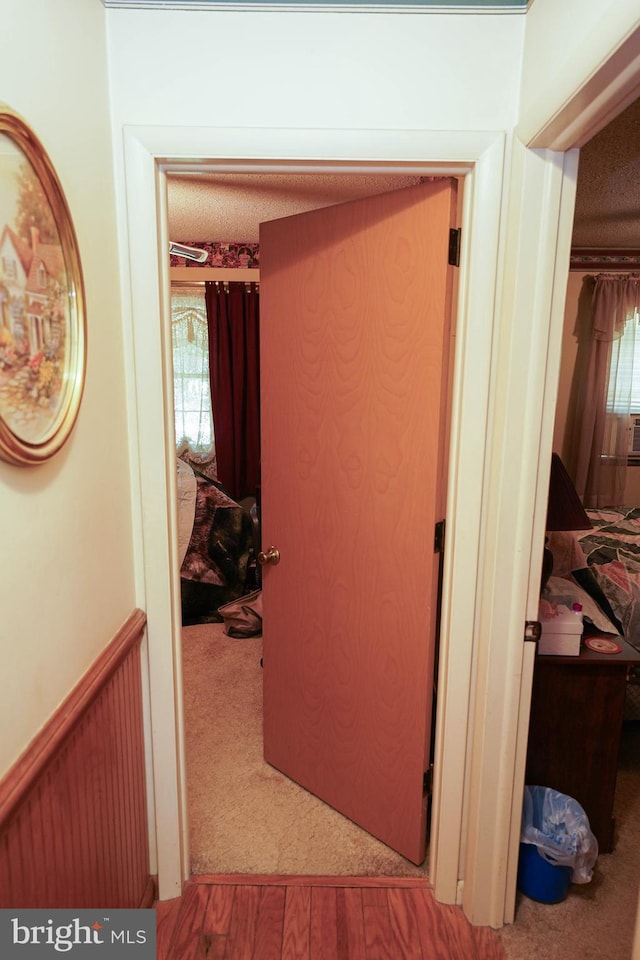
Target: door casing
<point x="477" y="632"/>
<point x="149" y="155"/>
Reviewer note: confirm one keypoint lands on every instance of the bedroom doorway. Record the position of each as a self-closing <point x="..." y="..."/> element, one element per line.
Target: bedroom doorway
<point x="420" y="539"/>
<point x="479" y="157"/>
<point x="604" y="240"/>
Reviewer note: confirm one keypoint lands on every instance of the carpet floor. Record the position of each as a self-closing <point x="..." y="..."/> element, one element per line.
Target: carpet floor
<point x="597" y="919"/>
<point x="246" y="817"/>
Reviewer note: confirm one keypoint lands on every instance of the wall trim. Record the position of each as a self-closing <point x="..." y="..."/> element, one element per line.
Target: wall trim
<point x="329" y="6"/>
<point x="44" y="747"/>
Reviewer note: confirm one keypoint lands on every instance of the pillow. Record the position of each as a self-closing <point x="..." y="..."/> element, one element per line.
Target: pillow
<point x="205" y="463"/>
<point x="559" y="590"/>
<point x="586" y="579"/>
<point x="567" y="551"/>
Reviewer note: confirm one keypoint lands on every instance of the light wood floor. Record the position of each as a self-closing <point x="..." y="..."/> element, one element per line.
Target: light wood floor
<point x="316" y="918"/>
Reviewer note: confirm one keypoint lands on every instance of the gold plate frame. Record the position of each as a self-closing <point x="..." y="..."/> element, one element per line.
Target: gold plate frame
<point x="42" y="304"/>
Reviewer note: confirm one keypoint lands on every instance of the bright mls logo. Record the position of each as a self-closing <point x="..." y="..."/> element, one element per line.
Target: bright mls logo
<point x="79" y="934"/>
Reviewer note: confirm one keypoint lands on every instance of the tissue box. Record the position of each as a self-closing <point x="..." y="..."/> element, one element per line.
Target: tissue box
<point x="561" y="635"/>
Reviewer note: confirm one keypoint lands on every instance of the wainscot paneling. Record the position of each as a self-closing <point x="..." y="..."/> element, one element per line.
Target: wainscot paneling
<point x="73" y="811"/>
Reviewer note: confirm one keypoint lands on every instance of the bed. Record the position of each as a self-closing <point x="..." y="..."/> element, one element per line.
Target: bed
<point x="602" y="567"/>
<point x="215" y="542"/>
<point x="580" y="707"/>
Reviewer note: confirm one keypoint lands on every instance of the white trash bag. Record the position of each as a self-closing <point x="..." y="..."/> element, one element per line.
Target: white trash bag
<point x="559" y="828"/>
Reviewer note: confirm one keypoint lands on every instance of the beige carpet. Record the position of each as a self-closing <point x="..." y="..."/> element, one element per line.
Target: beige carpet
<point x="596" y="921"/>
<point x="244" y="816"/>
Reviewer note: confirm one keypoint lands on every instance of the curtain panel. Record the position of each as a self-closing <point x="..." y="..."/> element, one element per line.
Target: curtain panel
<point x="233" y="315"/>
<point x="598" y="457"/>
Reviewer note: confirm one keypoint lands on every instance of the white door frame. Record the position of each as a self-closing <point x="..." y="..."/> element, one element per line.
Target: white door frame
<point x="149" y="153"/>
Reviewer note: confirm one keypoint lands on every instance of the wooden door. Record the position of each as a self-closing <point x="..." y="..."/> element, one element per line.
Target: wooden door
<point x="354" y="306"/>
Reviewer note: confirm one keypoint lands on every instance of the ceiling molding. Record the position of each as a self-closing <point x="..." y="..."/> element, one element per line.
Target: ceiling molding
<point x="329" y="6"/>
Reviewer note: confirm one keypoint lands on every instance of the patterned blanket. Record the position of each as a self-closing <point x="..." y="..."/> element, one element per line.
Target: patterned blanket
<point x="605" y="561"/>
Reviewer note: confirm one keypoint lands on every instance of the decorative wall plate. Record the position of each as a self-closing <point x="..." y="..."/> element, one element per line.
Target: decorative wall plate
<point x="42" y="307"/>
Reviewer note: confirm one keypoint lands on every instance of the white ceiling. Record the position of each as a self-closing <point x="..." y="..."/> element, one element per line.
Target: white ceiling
<point x="229" y="207"/>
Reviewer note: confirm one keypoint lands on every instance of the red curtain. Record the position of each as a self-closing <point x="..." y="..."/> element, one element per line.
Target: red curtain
<point x="234" y="368"/>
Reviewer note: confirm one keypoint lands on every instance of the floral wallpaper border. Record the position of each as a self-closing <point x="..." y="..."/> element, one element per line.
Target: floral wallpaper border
<point x="589" y="258"/>
<point x="221" y="255"/>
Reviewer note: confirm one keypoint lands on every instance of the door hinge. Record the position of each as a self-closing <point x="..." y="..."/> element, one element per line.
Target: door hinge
<point x="454" y="246"/>
<point x="532" y="631"/>
<point x="438" y="539"/>
<point x="427" y="782"/>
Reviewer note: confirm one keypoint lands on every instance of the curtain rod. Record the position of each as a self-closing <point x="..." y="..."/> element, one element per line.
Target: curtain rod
<point x="225" y="283"/>
<point x="199" y="274"/>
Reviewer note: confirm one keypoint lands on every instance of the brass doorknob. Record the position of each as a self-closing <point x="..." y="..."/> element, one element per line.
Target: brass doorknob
<point x="272" y="555"/>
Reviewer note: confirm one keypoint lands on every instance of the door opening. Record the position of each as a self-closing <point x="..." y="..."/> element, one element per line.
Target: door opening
<point x="478" y="157"/>
<point x="445" y="420"/>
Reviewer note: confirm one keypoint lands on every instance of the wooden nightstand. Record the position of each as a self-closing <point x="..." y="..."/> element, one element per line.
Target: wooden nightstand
<point x="577" y="710"/>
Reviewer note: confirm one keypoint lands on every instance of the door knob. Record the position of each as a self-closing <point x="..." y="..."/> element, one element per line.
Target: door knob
<point x="272" y="555"/>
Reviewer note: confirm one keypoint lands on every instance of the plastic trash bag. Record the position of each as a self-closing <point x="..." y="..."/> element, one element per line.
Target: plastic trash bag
<point x="559" y="828"/>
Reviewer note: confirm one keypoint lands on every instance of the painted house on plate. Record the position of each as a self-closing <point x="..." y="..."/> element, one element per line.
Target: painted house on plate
<point x="15" y="262"/>
<point x="31" y="278"/>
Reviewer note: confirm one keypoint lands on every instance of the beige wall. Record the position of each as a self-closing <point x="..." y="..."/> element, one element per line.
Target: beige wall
<point x="569" y="352"/>
<point x="67" y="567"/>
<point x="314" y="70"/>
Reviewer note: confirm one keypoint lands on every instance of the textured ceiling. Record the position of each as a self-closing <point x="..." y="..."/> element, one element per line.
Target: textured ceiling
<point x="229" y="207"/>
<point x="608" y="190"/>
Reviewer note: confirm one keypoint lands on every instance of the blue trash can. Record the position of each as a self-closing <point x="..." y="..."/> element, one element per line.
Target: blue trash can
<point x="557" y="846"/>
<point x="540" y="880"/>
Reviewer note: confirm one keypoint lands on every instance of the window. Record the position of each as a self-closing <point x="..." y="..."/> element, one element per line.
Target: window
<point x="623" y="395"/>
<point x="192" y="394"/>
<point x="9" y="267"/>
